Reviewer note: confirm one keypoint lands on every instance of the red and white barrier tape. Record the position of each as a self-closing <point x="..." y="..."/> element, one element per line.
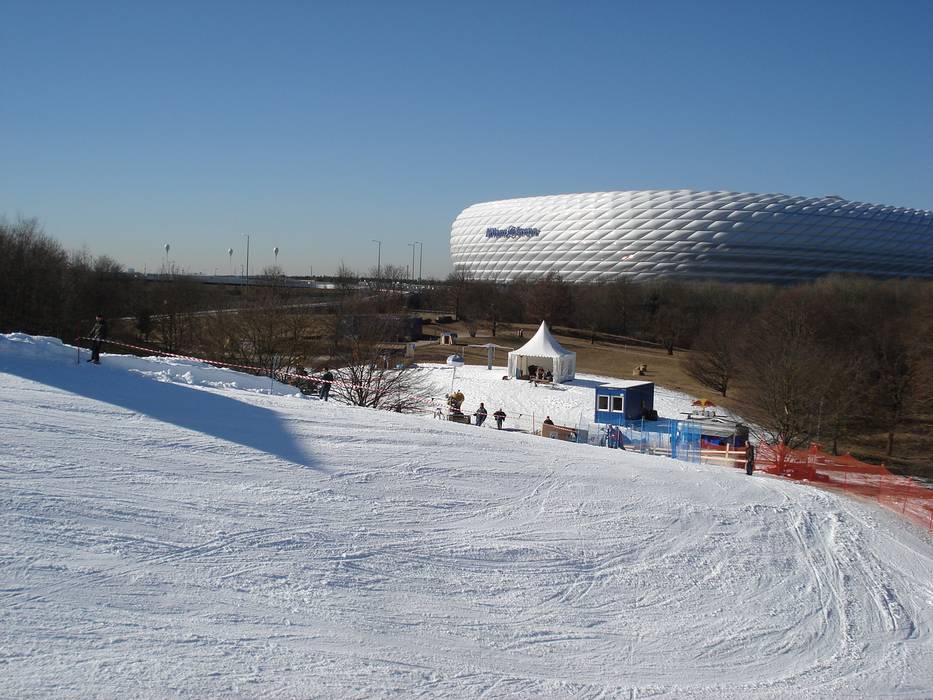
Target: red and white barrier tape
<point x="258" y="370"/>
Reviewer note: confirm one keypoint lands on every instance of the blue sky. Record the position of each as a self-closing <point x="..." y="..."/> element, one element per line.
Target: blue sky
<point x="317" y="127"/>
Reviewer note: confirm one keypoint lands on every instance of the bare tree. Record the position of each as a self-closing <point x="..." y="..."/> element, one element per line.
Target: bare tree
<point x="273" y="273"/>
<point x="550" y="299"/>
<point x="387" y="293"/>
<point x="714" y="358"/>
<point x="458" y="285"/>
<point x="591" y="302"/>
<point x="175" y="321"/>
<point x="365" y="378"/>
<point x="844" y="397"/>
<point x="346" y="280"/>
<point x="489" y="301"/>
<point x="672" y="313"/>
<point x="778" y="368"/>
<point x="896" y="376"/>
<point x="32" y="271"/>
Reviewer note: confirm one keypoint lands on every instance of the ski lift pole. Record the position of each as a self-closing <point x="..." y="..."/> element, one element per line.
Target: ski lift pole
<point x="454" y="361"/>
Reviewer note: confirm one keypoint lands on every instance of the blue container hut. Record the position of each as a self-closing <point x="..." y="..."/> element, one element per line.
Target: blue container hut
<point x="624" y="401"/>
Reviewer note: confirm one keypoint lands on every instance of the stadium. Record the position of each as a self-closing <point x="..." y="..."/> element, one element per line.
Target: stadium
<point x="726" y="236"/>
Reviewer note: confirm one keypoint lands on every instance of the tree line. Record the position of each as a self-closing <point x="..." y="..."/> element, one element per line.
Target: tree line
<point x="47" y="290"/>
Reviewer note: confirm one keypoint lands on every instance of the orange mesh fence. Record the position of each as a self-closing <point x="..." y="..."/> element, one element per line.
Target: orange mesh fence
<point x="901" y="494"/>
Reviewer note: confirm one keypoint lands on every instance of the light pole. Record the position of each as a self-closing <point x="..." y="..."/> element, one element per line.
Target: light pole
<point x="420" y="258"/>
<point x="275" y="252"/>
<point x="378" y="258"/>
<point x="247" y="258"/>
<point x="165" y="266"/>
<point x="412" y="246"/>
<point x="230" y="255"/>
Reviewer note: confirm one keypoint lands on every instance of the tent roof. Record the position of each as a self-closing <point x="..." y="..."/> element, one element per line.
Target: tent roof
<point x="542" y="344"/>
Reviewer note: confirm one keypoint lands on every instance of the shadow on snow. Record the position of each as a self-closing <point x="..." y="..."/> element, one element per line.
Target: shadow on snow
<point x="201" y="411"/>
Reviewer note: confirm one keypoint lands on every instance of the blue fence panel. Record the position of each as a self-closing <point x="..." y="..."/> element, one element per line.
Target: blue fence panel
<point x="677" y="438"/>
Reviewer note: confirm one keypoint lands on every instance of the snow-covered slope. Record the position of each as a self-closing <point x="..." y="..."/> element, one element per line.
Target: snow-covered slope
<point x="203" y="536"/>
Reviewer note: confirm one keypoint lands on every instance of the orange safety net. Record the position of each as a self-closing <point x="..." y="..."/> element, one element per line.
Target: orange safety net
<point x="905" y="496"/>
<point x="901" y="494"/>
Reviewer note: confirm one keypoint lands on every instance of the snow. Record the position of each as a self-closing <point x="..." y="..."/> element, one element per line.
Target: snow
<point x="171" y="529"/>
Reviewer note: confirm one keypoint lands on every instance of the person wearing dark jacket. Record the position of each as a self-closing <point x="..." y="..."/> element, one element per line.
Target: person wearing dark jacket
<point x="97" y="335"/>
<point x="326" y="380"/>
<point x="548" y="421"/>
<point x="500" y="418"/>
<point x="749" y="459"/>
<point x="480" y="414"/>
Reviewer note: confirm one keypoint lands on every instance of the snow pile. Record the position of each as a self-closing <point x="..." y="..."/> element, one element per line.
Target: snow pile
<point x="163" y="369"/>
<point x="162" y="538"/>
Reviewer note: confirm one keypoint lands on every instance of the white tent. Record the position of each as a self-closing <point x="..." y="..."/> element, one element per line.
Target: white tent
<point x="543" y="351"/>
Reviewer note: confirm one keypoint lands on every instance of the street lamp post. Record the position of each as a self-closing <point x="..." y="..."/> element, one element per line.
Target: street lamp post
<point x="378" y="258"/>
<point x="412" y="246"/>
<point x="247" y="258"/>
<point x="420" y="258"/>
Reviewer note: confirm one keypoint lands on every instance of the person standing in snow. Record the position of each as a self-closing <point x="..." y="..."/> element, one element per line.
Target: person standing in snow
<point x="500" y="418"/>
<point x="480" y="414"/>
<point x="548" y="421"/>
<point x="97" y="335"/>
<point x="612" y="437"/>
<point x="326" y="380"/>
<point x="749" y="458"/>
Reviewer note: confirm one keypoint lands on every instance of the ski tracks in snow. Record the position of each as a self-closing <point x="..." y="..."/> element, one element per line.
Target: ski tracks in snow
<point x="424" y="559"/>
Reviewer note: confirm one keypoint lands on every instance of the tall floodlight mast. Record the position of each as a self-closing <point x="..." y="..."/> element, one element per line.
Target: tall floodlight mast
<point x="420" y="258"/>
<point x="378" y="258"/>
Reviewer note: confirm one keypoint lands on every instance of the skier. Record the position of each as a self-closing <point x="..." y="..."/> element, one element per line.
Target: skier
<point x="480" y="414"/>
<point x="500" y="418"/>
<point x="98" y="334"/>
<point x="749" y="458"/>
<point x="326" y="380"/>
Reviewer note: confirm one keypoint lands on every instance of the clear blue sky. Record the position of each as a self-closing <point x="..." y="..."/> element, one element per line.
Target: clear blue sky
<point x="317" y="127"/>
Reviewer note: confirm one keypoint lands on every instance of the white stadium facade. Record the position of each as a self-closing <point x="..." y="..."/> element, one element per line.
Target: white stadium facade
<point x="726" y="236"/>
